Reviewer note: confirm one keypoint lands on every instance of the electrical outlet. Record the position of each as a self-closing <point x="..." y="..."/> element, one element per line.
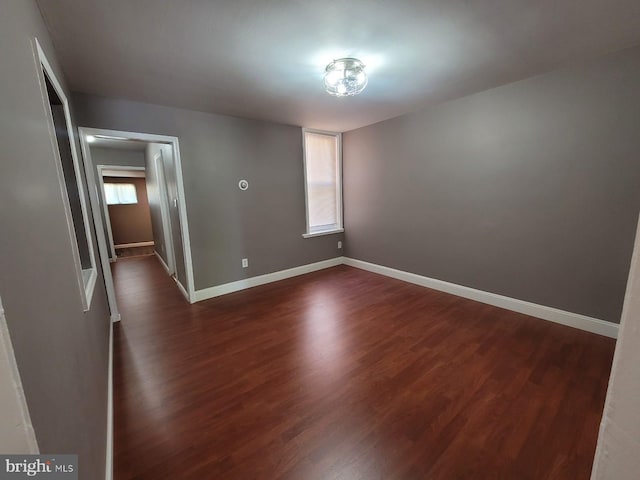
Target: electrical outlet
<point x="245" y="262"/>
<point x="339" y="244"/>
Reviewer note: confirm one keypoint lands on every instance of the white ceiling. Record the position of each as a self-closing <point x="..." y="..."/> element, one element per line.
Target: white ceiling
<point x="265" y="58"/>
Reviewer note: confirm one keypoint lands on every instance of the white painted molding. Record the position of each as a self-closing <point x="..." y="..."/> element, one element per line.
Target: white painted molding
<point x="122" y="171"/>
<point x="101" y="236"/>
<point x="322" y="233"/>
<point x="618" y="450"/>
<point x="570" y="319"/>
<point x="219" y="290"/>
<point x="102" y="198"/>
<point x="162" y="262"/>
<point x="136" y="244"/>
<point x="180" y="286"/>
<point x="183" y="290"/>
<point x="165" y="209"/>
<point x="543" y="312"/>
<point x="109" y="452"/>
<point x="16" y="410"/>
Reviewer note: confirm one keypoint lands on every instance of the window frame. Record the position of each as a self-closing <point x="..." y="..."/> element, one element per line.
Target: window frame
<point x="339" y="226"/>
<point x="86" y="277"/>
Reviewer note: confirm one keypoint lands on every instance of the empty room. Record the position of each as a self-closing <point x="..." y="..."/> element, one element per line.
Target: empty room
<point x="305" y="239"/>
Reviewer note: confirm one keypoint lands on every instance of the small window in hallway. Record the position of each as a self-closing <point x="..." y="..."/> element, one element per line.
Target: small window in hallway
<point x="120" y="193"/>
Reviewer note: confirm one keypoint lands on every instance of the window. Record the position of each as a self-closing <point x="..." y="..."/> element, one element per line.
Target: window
<point x="120" y="193"/>
<point x="323" y="182"/>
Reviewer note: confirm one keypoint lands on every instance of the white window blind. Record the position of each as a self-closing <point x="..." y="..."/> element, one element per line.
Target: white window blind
<point x="120" y="193"/>
<point x="323" y="182"/>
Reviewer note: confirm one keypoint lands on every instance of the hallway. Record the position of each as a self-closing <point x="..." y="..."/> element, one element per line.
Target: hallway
<point x="344" y="374"/>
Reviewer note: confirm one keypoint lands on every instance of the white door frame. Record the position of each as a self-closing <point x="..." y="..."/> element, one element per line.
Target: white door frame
<point x="95" y="205"/>
<point x="167" y="229"/>
<point x="103" y="199"/>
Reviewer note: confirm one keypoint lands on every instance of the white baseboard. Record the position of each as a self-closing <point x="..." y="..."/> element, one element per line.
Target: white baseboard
<point x="133" y="245"/>
<point x="166" y="267"/>
<point x="109" y="451"/>
<point x="575" y="320"/>
<point x="116" y="318"/>
<point x="183" y="290"/>
<point x="570" y="319"/>
<point x="180" y="286"/>
<point x="218" y="290"/>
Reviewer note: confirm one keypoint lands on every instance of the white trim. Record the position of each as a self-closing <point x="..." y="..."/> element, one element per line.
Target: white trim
<point x="162" y="262"/>
<point x="543" y="312"/>
<point x="324" y="232"/>
<point x="94" y="193"/>
<point x="109" y="452"/>
<point x="135" y="244"/>
<point x="165" y="211"/>
<point x="614" y="434"/>
<point x="182" y="205"/>
<point x="340" y="224"/>
<point x="86" y="282"/>
<point x="180" y="286"/>
<point x="184" y="226"/>
<point x="563" y="317"/>
<point x="23" y="422"/>
<point x="120" y="171"/>
<point x="183" y="291"/>
<point x="218" y="290"/>
<point x="105" y="212"/>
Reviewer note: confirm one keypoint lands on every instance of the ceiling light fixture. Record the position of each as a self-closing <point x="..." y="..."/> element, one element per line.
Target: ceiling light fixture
<point x="91" y="138"/>
<point x="345" y="77"/>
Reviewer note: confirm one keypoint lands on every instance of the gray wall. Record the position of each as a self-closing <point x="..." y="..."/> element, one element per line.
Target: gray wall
<point x="116" y="156"/>
<point x="61" y="352"/>
<point x="529" y="190"/>
<point x="265" y="223"/>
<point x="113" y="156"/>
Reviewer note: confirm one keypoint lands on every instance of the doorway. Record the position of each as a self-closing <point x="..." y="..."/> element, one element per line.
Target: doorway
<point x="156" y="159"/>
<point x="126" y="210"/>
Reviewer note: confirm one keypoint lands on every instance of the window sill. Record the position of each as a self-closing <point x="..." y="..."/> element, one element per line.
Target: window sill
<point x="89" y="277"/>
<point x="323" y="232"/>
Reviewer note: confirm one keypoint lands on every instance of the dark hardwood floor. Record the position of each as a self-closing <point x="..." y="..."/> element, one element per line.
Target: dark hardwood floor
<point x="344" y="374"/>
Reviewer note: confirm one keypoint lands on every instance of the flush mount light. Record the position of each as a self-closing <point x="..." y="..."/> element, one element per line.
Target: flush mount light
<point x="345" y="77"/>
<point x="91" y="138"/>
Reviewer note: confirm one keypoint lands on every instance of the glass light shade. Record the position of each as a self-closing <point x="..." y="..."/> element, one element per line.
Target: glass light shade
<point x="345" y="77"/>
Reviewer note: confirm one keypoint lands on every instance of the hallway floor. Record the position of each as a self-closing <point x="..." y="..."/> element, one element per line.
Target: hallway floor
<point x="344" y="374"/>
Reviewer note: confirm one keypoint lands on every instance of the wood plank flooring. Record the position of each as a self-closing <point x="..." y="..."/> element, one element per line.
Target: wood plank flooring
<point x="344" y="374"/>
